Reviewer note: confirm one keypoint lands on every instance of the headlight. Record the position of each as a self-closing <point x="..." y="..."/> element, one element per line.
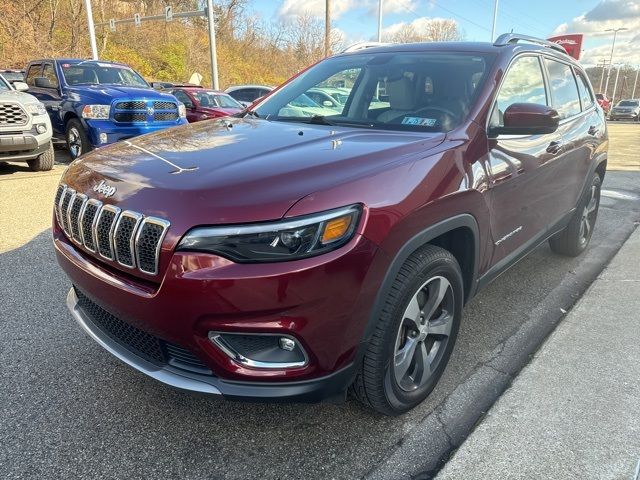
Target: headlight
<point x="290" y="239"/>
<point x="182" y="110"/>
<point x="96" y="112"/>
<point x="36" y="109"/>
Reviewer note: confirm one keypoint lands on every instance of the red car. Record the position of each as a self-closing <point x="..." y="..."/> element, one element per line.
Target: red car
<point x="282" y="255"/>
<point x="203" y="103"/>
<point x="604" y="102"/>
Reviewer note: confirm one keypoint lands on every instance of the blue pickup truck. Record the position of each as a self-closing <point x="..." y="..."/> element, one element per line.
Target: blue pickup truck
<point x="93" y="103"/>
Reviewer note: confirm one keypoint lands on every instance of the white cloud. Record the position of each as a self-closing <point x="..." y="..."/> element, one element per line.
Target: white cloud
<point x="606" y="14"/>
<point x="315" y="8"/>
<point x="625" y="52"/>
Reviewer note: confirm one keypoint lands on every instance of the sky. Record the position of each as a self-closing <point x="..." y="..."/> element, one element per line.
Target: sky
<point x="356" y="20"/>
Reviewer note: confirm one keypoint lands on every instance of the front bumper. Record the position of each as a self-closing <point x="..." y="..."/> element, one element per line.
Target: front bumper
<point x="22" y="146"/>
<point x="304" y="391"/>
<point x="116" y="132"/>
<point x="623" y="115"/>
<point x="319" y="301"/>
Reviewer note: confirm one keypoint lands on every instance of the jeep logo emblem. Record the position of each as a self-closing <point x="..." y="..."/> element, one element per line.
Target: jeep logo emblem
<point x="104" y="188"/>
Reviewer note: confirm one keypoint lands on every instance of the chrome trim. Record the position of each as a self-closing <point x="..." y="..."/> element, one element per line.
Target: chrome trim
<point x="217" y="340"/>
<point x="162" y="374"/>
<point x="156" y="221"/>
<point x="83" y="198"/>
<point x="116" y="211"/>
<point x="138" y="218"/>
<point x="57" y="206"/>
<point x="286" y="224"/>
<point x="65" y="214"/>
<point x="98" y="205"/>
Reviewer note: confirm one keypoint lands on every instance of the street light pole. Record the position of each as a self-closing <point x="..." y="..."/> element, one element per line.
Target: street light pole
<point x="92" y="29"/>
<point x="633" y="94"/>
<point x="604" y="66"/>
<point x="615" y="85"/>
<point x="212" y="46"/>
<point x="615" y="33"/>
<point x="327" y="28"/>
<point x="495" y="20"/>
<point x="379" y="20"/>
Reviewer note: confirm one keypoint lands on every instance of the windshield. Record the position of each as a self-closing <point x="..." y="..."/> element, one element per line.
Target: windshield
<point x="101" y="74"/>
<point x="13" y="76"/>
<point x="395" y="91"/>
<point x="4" y="85"/>
<point x="214" y="99"/>
<point x="628" y="103"/>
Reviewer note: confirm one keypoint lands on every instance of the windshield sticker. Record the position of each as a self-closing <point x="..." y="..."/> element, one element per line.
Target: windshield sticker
<point x="420" y="121"/>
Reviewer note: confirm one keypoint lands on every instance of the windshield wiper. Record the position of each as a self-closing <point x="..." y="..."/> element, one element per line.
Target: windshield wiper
<point x="248" y="112"/>
<point x="320" y="120"/>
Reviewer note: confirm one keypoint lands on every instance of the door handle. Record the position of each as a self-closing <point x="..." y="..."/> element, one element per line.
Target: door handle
<point x="554" y="148"/>
<point x="592" y="130"/>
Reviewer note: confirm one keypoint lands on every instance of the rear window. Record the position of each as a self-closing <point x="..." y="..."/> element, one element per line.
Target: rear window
<point x="628" y="103"/>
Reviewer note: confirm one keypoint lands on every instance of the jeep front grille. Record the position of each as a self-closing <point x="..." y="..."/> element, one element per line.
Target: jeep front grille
<point x="128" y="238"/>
<point x="12" y="114"/>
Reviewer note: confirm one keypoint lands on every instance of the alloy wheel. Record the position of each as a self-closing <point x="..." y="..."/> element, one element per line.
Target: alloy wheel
<point x="589" y="216"/>
<point x="423" y="333"/>
<point x="75" y="142"/>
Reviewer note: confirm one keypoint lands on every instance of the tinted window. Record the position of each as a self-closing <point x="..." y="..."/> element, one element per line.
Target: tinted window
<point x="48" y="72"/>
<point x="4" y="85"/>
<point x="628" y="103"/>
<point x="34" y="71"/>
<point x="524" y="83"/>
<point x="245" y="94"/>
<point x="182" y="97"/>
<point x="564" y="92"/>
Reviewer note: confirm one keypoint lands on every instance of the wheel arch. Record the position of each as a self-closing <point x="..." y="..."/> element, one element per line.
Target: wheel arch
<point x="459" y="235"/>
<point x="68" y="116"/>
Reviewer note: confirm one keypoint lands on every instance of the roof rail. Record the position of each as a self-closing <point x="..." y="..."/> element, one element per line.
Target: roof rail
<point x="512" y="38"/>
<point x="362" y="45"/>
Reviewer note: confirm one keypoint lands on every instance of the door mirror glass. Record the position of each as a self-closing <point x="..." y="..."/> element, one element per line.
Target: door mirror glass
<point x="20" y="86"/>
<point x="43" y="82"/>
<point x="527" y="119"/>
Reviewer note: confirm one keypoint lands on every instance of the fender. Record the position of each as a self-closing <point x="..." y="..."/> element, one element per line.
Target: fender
<point x="417" y="241"/>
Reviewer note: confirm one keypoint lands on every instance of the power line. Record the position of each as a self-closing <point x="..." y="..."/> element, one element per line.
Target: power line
<point x="408" y="9"/>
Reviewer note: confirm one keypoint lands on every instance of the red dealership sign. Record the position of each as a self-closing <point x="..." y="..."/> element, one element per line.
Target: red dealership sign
<point x="571" y="43"/>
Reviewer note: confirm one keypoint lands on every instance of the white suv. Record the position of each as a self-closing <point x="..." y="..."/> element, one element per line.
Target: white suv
<point x="25" y="128"/>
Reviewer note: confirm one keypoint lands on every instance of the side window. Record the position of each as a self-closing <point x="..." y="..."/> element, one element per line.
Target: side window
<point x="34" y="71"/>
<point x="48" y="72"/>
<point x="564" y="91"/>
<point x="585" y="93"/>
<point x="524" y="83"/>
<point x="244" y="95"/>
<point x="182" y="97"/>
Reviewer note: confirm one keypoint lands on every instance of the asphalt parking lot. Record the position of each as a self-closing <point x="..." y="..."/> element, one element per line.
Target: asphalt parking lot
<point x="71" y="410"/>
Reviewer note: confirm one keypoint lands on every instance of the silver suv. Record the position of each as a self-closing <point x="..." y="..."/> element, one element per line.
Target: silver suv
<point x="25" y="128"/>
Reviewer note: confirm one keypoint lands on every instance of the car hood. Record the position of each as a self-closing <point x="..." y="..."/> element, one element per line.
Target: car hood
<point x="16" y="96"/>
<point x="114" y="92"/>
<point x="237" y="170"/>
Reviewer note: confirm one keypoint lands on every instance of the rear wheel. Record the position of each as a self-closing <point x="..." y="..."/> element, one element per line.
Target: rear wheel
<point x="573" y="240"/>
<point x="77" y="139"/>
<point x="414" y="335"/>
<point x="44" y="161"/>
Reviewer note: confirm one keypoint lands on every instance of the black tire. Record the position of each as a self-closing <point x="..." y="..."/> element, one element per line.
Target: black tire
<point x="44" y="161"/>
<point x="377" y="384"/>
<point x="77" y="139"/>
<point x="574" y="239"/>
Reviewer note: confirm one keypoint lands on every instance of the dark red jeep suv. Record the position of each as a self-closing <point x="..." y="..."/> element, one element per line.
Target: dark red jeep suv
<point x="292" y="255"/>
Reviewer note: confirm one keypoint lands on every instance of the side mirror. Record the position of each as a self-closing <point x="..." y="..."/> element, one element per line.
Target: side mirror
<point x="327" y="103"/>
<point x="20" y="86"/>
<point x="43" y="82"/>
<point x="528" y="119"/>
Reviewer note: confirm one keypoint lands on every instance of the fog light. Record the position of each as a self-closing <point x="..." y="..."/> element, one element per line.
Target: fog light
<point x="41" y="128"/>
<point x="287" y="344"/>
<point x="103" y="138"/>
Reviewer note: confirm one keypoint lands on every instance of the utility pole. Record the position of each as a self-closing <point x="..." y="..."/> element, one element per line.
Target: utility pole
<point x="495" y="20"/>
<point x="327" y="28"/>
<point x="92" y="30"/>
<point x="212" y="45"/>
<point x="604" y="65"/>
<point x="379" y="20"/>
<point x="633" y="94"/>
<point x="613" y="45"/>
<point x="615" y="85"/>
